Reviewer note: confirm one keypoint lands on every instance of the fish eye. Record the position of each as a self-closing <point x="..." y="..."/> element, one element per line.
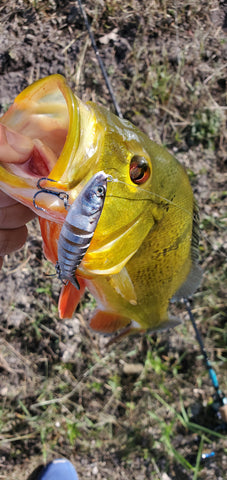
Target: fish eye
<point x="139" y="170"/>
<point x="100" y="191"/>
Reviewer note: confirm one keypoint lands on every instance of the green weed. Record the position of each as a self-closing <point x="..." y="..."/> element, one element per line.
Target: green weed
<point x="205" y="127"/>
<point x="161" y="83"/>
<point x="73" y="431"/>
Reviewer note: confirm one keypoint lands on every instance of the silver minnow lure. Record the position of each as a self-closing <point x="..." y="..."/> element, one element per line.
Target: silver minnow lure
<point x="79" y="227"/>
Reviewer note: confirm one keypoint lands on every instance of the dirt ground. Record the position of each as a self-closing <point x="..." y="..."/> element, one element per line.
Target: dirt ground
<point x="141" y="409"/>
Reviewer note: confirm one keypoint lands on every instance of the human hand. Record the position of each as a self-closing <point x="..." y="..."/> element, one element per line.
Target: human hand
<point x="13" y="230"/>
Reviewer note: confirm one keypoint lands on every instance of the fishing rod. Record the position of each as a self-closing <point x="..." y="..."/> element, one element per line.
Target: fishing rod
<point x="101" y="64"/>
<point x="220" y="400"/>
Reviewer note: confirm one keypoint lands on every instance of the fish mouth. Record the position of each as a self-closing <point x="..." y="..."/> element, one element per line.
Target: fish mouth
<point x="43" y="134"/>
<point x="24" y="156"/>
<point x="35" y="128"/>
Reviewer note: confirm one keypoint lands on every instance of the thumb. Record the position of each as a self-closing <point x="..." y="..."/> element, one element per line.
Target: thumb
<point x="14" y="147"/>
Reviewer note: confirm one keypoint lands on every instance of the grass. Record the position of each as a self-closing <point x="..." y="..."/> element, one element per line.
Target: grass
<point x="137" y="415"/>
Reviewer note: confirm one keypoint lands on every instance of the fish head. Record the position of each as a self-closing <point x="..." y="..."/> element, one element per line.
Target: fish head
<point x="49" y="132"/>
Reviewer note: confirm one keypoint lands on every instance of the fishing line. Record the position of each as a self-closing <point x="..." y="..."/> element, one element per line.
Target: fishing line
<point x="220" y="398"/>
<point x="94" y="45"/>
<point x="170" y="202"/>
<point x="62" y="195"/>
<point x="139" y="188"/>
<point x="219" y="250"/>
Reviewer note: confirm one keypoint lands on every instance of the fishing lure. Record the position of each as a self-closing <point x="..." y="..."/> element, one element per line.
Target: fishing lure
<point x="79" y="227"/>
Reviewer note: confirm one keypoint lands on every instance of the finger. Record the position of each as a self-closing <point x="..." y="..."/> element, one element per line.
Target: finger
<point x="5" y="200"/>
<point x="14" y="147"/>
<point x="15" y="216"/>
<point x="11" y="240"/>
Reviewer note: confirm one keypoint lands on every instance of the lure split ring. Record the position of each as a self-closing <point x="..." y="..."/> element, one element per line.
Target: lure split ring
<point x="62" y="195"/>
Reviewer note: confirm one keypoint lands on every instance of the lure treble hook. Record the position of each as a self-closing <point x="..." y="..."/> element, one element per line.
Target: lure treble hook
<point x="62" y="195"/>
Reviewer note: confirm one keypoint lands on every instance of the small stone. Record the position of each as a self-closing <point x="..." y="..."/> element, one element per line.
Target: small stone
<point x="165" y="476"/>
<point x="16" y="318"/>
<point x="132" y="368"/>
<point x="95" y="470"/>
<point x="69" y="353"/>
<point x="4" y="391"/>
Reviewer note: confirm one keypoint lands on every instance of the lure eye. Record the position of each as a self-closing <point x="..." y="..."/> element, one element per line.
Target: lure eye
<point x="100" y="191"/>
<point x="139" y="170"/>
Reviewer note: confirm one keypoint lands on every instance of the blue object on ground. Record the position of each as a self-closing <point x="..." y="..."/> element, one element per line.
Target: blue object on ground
<point x="59" y="469"/>
<point x="205" y="456"/>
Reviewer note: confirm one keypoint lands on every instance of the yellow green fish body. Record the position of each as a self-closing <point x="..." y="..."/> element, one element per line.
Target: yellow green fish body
<point x="144" y="249"/>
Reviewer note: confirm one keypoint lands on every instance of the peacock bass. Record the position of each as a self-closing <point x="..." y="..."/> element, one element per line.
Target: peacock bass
<point x="144" y="250"/>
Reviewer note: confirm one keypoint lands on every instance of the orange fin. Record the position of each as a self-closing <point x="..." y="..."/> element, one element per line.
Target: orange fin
<point x="50" y="232"/>
<point x="69" y="299"/>
<point x="107" y="322"/>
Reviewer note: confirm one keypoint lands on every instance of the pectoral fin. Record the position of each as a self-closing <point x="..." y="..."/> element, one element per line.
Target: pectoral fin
<point x="123" y="285"/>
